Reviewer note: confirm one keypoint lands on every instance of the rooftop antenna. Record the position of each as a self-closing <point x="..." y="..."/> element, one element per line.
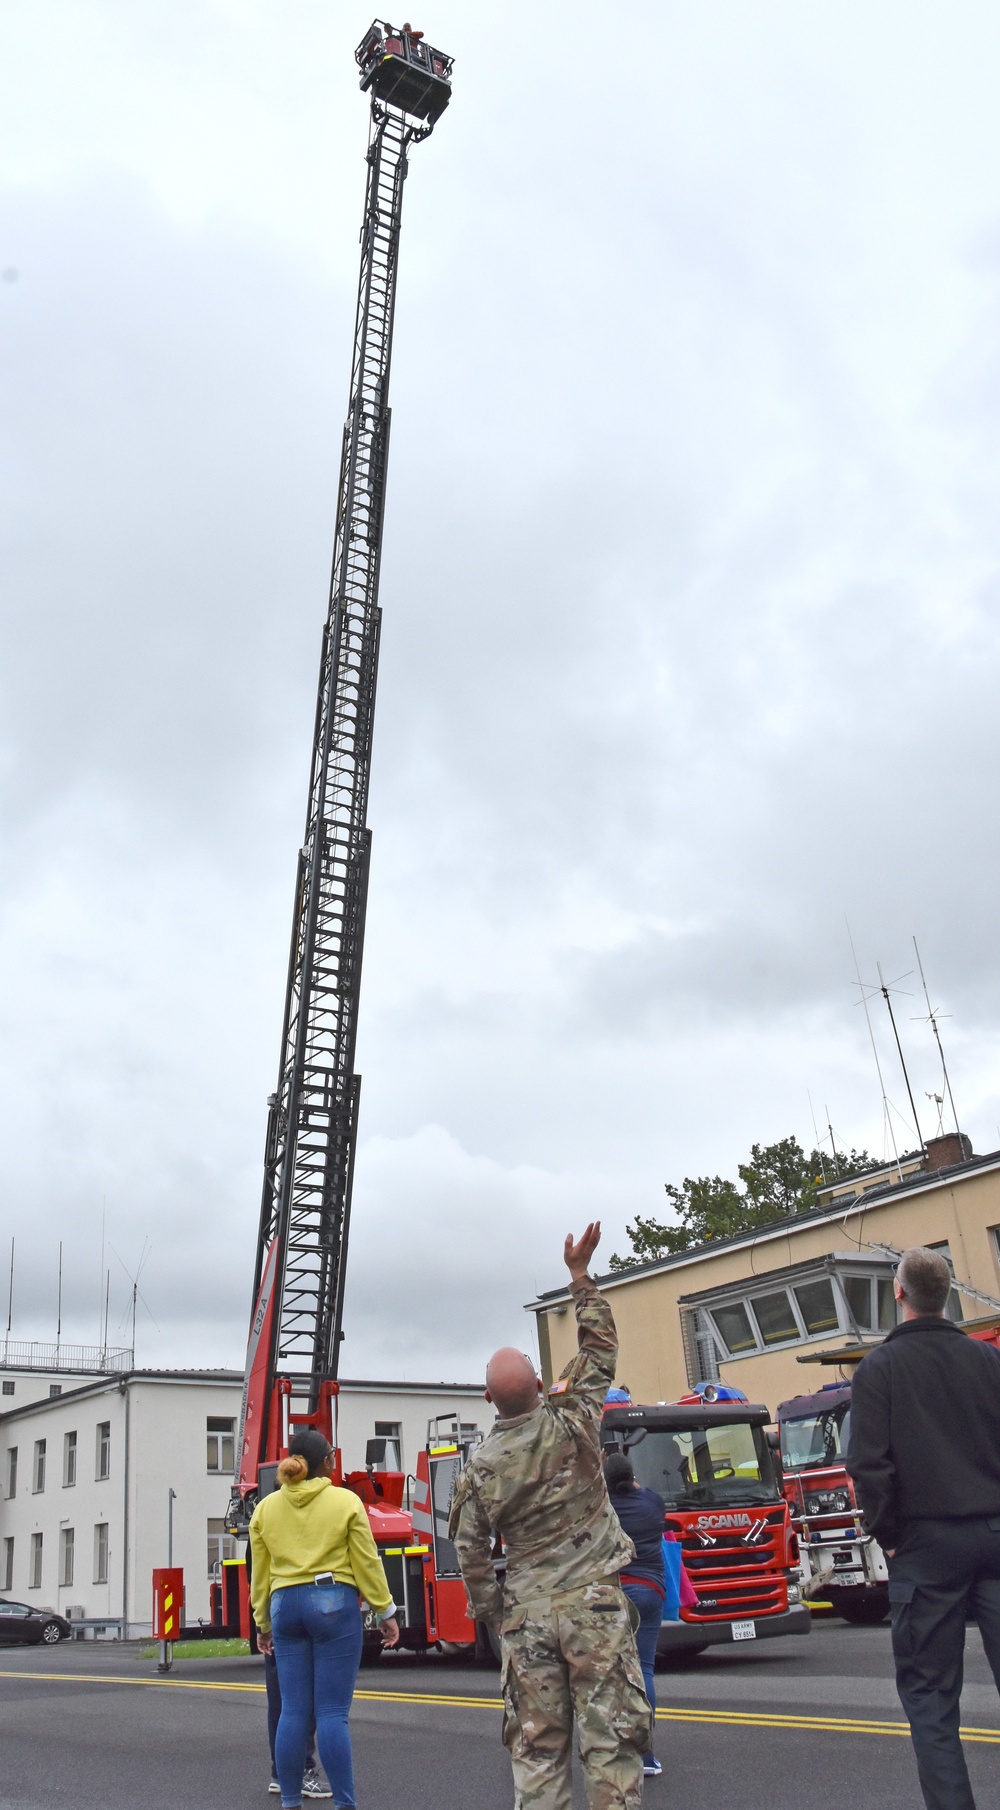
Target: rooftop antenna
<point x="833" y="1144"/>
<point x="104" y="1336"/>
<point x="137" y="1294"/>
<point x="104" y="1209"/>
<point x="819" y="1153"/>
<point x="887" y="1120"/>
<point x="932" y="1017"/>
<point x="938" y="1100"/>
<point x="59" y="1307"/>
<point x="10" y="1301"/>
<point x="902" y="1060"/>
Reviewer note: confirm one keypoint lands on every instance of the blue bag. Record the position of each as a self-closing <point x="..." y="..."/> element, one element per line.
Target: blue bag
<point x="672" y="1570"/>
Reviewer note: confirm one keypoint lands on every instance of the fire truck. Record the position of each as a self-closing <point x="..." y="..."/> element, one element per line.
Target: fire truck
<point x="710" y="1461"/>
<point x="296" y="1329"/>
<point x="841" y="1563"/>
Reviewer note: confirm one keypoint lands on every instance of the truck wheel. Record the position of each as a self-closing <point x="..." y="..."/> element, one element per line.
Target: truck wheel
<point x="862" y="1608"/>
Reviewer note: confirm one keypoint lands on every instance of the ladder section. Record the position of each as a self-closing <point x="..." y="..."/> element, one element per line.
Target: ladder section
<point x="313" y="1115"/>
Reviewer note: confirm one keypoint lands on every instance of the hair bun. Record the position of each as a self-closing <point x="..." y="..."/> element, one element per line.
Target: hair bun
<point x="293" y="1469"/>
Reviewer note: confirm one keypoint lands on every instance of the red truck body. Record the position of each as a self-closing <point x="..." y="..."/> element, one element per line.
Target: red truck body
<point x="712" y="1465"/>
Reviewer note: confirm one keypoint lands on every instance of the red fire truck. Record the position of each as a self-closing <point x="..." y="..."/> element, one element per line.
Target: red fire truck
<point x="840" y="1562"/>
<point x="711" y="1463"/>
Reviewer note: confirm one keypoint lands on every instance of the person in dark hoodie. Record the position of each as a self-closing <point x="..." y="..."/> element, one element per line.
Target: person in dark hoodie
<point x="643" y="1580"/>
<point x="924" y="1453"/>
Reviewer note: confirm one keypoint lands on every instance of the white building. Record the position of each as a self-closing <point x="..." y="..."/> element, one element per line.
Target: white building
<point x="87" y="1461"/>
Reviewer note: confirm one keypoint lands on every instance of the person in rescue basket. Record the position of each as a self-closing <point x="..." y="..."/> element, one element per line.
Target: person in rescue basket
<point x="641" y="1513"/>
<point x="565" y="1633"/>
<point x="313" y="1553"/>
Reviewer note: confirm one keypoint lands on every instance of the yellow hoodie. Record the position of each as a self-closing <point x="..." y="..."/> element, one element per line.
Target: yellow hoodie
<point x="310" y="1527"/>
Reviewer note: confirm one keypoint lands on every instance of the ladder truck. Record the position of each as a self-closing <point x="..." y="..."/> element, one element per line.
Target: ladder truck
<point x="312" y="1128"/>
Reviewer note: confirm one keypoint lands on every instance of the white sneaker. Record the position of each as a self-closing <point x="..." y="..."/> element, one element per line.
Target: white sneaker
<point x="274" y="1786"/>
<point x="651" y="1768"/>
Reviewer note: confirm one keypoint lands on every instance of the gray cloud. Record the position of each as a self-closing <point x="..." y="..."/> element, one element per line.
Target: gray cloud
<point x="690" y="640"/>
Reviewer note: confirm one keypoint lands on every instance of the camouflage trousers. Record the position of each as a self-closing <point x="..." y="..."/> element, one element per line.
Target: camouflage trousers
<point x="565" y="1656"/>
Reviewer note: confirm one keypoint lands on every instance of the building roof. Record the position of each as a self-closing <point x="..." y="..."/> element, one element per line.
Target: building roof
<point x="780" y="1228"/>
<point x="230" y="1378"/>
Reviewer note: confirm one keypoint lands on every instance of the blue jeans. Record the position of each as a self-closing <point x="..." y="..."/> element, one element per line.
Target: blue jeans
<point x="649" y="1603"/>
<point x="317" y="1644"/>
<point x="273" y="1689"/>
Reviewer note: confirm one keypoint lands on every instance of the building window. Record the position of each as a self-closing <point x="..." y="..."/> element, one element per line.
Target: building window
<point x="69" y="1460"/>
<point x="67" y="1541"/>
<point x="35" y="1568"/>
<point x="8" y="1563"/>
<point x="221" y="1443"/>
<point x="55" y="1389"/>
<point x="38" y="1471"/>
<point x="735" y="1331"/>
<point x="221" y="1545"/>
<point x="858" y="1290"/>
<point x="10" y="1481"/>
<point x="817" y="1306"/>
<point x="953" y="1306"/>
<point x="8" y="1388"/>
<point x="103" y="1449"/>
<point x="101" y="1553"/>
<point x="775" y="1317"/>
<point x="888" y="1310"/>
<point x="392" y="1432"/>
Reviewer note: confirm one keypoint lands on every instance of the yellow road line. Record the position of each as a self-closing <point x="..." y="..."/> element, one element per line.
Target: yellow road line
<point x="733" y="1718"/>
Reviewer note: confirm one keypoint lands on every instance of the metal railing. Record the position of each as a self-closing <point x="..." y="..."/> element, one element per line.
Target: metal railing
<point x="32" y="1354"/>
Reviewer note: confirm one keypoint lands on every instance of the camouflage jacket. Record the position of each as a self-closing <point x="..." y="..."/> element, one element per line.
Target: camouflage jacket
<point x="537" y="1480"/>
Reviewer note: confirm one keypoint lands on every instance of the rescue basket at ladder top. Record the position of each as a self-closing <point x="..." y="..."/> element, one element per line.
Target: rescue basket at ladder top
<point x="404" y="71"/>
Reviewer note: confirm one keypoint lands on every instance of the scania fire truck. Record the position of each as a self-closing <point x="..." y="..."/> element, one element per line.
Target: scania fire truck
<point x="711" y="1463"/>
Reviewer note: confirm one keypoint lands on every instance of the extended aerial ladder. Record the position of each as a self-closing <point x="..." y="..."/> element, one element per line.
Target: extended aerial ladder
<point x="312" y="1129"/>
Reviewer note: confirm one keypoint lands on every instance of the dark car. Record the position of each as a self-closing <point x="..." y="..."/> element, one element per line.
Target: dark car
<point x="20" y="1622"/>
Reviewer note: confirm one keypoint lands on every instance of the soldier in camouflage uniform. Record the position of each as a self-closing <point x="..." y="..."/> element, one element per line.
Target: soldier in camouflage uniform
<point x="566" y="1636"/>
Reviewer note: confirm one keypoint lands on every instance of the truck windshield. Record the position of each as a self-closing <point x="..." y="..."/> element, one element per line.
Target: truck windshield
<point x="807" y="1445"/>
<point x="696" y="1465"/>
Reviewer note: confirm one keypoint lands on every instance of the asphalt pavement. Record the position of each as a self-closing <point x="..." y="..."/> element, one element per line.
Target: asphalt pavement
<point x="769" y="1727"/>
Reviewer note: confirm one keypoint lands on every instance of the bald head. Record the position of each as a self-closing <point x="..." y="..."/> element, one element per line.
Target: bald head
<point x="511" y="1383"/>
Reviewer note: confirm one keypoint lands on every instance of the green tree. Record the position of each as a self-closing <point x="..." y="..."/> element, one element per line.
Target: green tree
<point x="778" y="1180"/>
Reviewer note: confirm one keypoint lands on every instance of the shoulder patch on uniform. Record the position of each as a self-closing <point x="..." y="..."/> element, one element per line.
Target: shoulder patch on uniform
<point x="560" y="1387"/>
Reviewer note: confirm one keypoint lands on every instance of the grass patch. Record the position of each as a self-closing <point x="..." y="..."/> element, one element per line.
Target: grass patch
<point x="201" y="1649"/>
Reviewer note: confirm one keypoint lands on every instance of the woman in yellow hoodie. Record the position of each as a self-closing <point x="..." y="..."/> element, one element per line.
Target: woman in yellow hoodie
<point x="313" y="1556"/>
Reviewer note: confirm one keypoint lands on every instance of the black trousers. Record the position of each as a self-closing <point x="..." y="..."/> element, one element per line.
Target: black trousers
<point x="942" y="1572"/>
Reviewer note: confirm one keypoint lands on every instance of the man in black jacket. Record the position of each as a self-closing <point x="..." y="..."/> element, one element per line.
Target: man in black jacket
<point x="924" y="1453"/>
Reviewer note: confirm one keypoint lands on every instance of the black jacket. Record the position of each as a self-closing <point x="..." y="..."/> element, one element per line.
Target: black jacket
<point x="925" y="1427"/>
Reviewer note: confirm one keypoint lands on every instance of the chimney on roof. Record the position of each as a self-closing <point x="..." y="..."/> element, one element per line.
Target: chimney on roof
<point x="948" y="1151"/>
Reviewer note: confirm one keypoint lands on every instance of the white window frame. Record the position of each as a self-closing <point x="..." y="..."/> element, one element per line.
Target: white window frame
<point x="70" y="1448"/>
<point x="38" y="1468"/>
<point x="102" y="1455"/>
<point x="101" y="1552"/>
<point x="8" y="1562"/>
<point x="37" y="1560"/>
<point x="67" y="1557"/>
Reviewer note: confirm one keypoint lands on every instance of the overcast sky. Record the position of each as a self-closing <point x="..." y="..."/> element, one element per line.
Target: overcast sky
<point x="690" y="642"/>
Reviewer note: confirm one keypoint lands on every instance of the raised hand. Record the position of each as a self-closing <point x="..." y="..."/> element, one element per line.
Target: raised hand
<point x="577" y="1256"/>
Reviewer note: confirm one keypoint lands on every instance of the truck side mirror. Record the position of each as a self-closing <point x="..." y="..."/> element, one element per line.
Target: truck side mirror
<point x="375" y="1453"/>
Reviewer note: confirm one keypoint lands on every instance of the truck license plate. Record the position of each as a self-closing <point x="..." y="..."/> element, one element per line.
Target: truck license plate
<point x="744" y="1630"/>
